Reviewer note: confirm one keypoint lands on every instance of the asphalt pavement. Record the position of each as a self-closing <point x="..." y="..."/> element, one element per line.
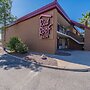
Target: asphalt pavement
<point x="43" y="79"/>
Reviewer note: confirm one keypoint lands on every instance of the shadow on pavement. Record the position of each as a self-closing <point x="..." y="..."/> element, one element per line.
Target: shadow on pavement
<point x="8" y="62"/>
<point x="76" y="57"/>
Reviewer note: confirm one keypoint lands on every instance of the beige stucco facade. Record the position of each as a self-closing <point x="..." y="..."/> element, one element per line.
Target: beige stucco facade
<point x="87" y="37"/>
<point x="28" y="31"/>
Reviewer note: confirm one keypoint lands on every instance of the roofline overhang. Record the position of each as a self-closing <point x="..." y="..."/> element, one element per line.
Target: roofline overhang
<point x="46" y="8"/>
<point x="79" y="25"/>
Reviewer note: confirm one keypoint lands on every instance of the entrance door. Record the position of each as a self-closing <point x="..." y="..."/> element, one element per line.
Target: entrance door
<point x="61" y="43"/>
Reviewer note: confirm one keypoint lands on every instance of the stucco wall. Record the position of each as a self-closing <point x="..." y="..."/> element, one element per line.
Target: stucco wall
<point x="72" y="44"/>
<point x="62" y="21"/>
<point x="28" y="31"/>
<point x="75" y="46"/>
<point x="87" y="42"/>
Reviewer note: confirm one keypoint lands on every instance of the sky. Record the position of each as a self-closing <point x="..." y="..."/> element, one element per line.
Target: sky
<point x="73" y="8"/>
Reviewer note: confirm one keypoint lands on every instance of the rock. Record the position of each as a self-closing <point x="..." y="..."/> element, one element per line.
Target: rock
<point x="28" y="57"/>
<point x="43" y="57"/>
<point x="31" y="58"/>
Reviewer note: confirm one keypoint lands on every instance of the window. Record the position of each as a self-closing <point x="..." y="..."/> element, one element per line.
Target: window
<point x="61" y="28"/>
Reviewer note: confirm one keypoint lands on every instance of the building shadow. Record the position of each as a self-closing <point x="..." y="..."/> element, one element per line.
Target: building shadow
<point x="72" y="56"/>
<point x="7" y="62"/>
<point x="62" y="53"/>
<point x="77" y="57"/>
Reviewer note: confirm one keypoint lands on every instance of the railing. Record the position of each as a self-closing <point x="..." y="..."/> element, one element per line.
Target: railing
<point x="75" y="36"/>
<point x="63" y="31"/>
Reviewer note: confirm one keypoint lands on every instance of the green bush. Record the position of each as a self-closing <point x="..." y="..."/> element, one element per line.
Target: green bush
<point x="21" y="47"/>
<point x="15" y="44"/>
<point x="12" y="43"/>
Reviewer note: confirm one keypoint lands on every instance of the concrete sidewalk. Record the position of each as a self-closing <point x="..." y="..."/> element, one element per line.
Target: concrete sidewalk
<point x="69" y="65"/>
<point x="77" y="59"/>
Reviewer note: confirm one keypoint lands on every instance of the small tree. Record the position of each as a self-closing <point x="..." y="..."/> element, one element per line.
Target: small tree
<point x="5" y="15"/>
<point x="16" y="44"/>
<point x="13" y="43"/>
<point x="85" y="19"/>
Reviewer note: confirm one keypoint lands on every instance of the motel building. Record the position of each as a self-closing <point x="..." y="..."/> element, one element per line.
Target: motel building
<point x="49" y="29"/>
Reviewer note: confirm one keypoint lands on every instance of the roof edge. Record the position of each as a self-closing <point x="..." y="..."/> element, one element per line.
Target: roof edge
<point x="79" y="25"/>
<point x="45" y="8"/>
<point x="34" y="13"/>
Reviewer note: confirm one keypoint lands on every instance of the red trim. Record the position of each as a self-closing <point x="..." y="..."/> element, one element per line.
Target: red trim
<point x="40" y="11"/>
<point x="43" y="15"/>
<point x="79" y="25"/>
<point x="48" y="7"/>
<point x="62" y="12"/>
<point x="36" y="12"/>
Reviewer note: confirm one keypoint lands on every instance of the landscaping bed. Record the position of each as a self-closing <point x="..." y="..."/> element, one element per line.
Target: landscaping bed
<point x="38" y="58"/>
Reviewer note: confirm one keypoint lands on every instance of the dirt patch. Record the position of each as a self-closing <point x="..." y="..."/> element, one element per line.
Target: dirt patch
<point x="38" y="58"/>
<point x="1" y="50"/>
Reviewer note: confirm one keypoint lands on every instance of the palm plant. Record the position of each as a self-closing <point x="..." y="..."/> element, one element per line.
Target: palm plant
<point x="85" y="19"/>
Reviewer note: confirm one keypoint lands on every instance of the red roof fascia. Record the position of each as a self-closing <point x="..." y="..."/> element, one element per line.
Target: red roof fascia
<point x="62" y="12"/>
<point x="48" y="7"/>
<point x="41" y="10"/>
<point x="34" y="13"/>
<point x="79" y="25"/>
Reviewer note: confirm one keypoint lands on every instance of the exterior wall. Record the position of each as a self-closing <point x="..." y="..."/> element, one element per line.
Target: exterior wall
<point x="74" y="46"/>
<point x="87" y="42"/>
<point x="28" y="31"/>
<point x="62" y="21"/>
<point x="75" y="34"/>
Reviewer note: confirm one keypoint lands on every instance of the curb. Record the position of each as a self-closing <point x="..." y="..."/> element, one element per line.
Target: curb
<point x="66" y="69"/>
<point x="53" y="67"/>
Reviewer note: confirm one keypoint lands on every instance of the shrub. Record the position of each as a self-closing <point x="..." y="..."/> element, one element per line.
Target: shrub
<point x="21" y="47"/>
<point x="12" y="43"/>
<point x="15" y="44"/>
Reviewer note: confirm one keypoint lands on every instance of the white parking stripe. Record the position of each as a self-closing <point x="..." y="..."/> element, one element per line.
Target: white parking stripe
<point x="25" y="80"/>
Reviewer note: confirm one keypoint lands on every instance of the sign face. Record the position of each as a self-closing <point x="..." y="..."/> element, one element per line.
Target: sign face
<point x="45" y="26"/>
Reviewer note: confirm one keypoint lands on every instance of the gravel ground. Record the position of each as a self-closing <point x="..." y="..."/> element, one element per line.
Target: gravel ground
<point x="75" y="59"/>
<point x="17" y="74"/>
<point x="37" y="57"/>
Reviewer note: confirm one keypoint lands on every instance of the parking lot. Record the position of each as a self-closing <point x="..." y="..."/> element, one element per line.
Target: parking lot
<point x="22" y="75"/>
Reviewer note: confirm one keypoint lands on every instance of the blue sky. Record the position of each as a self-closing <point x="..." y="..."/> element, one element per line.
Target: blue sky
<point x="73" y="8"/>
